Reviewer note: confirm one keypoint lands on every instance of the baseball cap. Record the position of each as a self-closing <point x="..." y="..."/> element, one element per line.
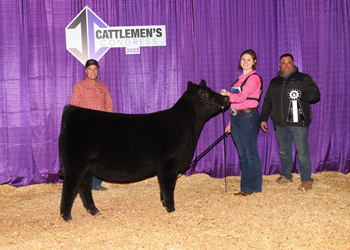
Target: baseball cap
<point x="91" y="62"/>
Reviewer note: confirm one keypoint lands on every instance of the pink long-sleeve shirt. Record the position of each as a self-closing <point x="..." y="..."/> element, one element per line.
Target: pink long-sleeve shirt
<point x="250" y="89"/>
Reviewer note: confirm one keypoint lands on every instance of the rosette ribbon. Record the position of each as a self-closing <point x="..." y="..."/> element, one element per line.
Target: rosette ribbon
<point x="295" y="111"/>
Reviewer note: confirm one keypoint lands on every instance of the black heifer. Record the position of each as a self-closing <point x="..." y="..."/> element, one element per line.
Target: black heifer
<point x="131" y="147"/>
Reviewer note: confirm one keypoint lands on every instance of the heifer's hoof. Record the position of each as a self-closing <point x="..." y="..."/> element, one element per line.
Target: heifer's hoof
<point x="94" y="212"/>
<point x="67" y="218"/>
<point x="170" y="210"/>
<point x="97" y="214"/>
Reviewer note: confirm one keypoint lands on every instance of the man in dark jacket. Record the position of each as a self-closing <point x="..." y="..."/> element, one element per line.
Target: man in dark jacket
<point x="287" y="102"/>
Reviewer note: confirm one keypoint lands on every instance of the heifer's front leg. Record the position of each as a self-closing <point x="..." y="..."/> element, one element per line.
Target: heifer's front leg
<point x="167" y="181"/>
<point x="86" y="195"/>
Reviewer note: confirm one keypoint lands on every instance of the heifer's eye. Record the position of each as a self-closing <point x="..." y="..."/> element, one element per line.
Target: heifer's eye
<point x="204" y="94"/>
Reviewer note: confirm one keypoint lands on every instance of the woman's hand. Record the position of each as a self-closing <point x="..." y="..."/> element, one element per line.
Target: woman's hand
<point x="228" y="129"/>
<point x="224" y="92"/>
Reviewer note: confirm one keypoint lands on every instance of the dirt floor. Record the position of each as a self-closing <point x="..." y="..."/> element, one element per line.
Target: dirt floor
<point x="206" y="217"/>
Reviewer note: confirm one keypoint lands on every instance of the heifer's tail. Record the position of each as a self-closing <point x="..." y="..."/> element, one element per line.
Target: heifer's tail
<point x="61" y="172"/>
<point x="60" y="146"/>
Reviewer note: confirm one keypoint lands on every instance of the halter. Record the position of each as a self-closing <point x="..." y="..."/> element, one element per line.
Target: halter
<point x="212" y="103"/>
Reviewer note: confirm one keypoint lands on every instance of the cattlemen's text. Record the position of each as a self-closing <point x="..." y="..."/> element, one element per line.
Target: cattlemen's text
<point x="128" y="33"/>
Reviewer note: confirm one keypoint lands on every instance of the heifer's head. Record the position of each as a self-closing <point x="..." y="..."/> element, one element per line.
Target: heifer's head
<point x="207" y="103"/>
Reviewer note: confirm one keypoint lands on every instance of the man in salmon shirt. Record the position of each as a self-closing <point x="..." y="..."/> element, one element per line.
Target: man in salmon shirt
<point x="92" y="94"/>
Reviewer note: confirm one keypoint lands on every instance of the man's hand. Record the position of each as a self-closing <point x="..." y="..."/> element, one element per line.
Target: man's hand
<point x="263" y="126"/>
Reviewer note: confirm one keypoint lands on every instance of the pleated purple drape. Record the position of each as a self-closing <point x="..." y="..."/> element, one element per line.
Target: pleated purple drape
<point x="204" y="41"/>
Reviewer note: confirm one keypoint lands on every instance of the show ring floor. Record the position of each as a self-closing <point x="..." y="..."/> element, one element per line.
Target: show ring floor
<point x="206" y="217"/>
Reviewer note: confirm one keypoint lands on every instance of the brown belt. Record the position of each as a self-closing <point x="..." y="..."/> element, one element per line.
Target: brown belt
<point x="239" y="111"/>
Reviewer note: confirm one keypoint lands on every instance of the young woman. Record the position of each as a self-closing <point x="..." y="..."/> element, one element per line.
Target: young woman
<point x="244" y="125"/>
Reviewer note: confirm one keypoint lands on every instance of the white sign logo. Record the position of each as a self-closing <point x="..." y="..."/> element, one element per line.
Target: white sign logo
<point x="89" y="37"/>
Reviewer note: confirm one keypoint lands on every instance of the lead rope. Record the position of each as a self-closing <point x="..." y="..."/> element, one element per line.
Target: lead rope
<point x="210" y="148"/>
<point x="223" y="118"/>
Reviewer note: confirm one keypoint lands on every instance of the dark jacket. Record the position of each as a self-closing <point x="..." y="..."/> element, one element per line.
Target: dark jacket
<point x="276" y="101"/>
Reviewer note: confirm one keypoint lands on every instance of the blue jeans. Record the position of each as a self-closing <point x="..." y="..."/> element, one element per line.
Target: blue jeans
<point x="299" y="135"/>
<point x="96" y="182"/>
<point x="244" y="132"/>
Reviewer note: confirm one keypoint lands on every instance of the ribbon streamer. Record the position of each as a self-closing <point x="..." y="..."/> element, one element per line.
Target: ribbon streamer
<point x="295" y="112"/>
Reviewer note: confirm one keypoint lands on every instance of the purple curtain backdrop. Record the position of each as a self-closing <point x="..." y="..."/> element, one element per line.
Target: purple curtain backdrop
<point x="204" y="41"/>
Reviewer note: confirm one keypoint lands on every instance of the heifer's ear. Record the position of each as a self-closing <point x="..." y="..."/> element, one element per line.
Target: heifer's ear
<point x="203" y="83"/>
<point x="189" y="86"/>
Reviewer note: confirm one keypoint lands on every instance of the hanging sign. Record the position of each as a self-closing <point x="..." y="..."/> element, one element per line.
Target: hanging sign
<point x="89" y="37"/>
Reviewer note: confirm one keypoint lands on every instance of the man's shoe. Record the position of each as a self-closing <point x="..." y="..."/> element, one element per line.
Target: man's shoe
<point x="283" y="180"/>
<point x="305" y="186"/>
<point x="99" y="188"/>
<point x="242" y="194"/>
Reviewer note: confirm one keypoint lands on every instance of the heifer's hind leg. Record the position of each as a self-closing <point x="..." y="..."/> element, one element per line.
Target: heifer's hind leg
<point x="167" y="181"/>
<point x="69" y="192"/>
<point x="86" y="195"/>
